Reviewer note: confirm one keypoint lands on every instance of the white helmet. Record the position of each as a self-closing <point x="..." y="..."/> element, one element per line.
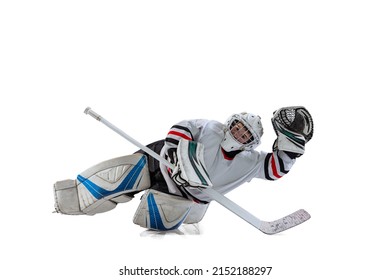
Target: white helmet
<point x="251" y="125"/>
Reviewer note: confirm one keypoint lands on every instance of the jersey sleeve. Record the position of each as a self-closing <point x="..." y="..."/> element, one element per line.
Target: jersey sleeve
<point x="274" y="165"/>
<point x="188" y="129"/>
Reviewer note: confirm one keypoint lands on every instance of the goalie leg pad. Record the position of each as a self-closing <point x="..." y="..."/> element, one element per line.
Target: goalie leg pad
<point x="162" y="211"/>
<point x="101" y="187"/>
<point x="197" y="213"/>
<point x="66" y="197"/>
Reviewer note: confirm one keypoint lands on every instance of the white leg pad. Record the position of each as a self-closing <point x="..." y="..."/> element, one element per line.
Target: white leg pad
<point x="197" y="213"/>
<point x="101" y="187"/>
<point x="161" y="211"/>
<point x="66" y="197"/>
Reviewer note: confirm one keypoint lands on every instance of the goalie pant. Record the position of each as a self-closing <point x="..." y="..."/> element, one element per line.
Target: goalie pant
<point x="164" y="205"/>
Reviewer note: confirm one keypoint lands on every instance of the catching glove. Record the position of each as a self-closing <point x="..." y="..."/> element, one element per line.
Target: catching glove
<point x="294" y="128"/>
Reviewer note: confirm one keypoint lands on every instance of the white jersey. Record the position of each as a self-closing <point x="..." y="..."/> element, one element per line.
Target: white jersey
<point x="226" y="172"/>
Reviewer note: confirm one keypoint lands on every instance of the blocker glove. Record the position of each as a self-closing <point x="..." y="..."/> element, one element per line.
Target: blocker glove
<point x="294" y="127"/>
<point x="190" y="169"/>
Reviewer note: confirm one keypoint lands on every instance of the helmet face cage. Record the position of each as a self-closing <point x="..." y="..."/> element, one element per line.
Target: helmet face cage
<point x="242" y="124"/>
<point x="237" y="128"/>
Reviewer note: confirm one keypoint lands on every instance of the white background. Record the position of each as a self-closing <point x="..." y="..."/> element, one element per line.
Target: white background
<point x="145" y="65"/>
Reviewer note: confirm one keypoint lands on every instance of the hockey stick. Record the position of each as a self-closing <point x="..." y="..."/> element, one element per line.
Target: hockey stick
<point x="273" y="227"/>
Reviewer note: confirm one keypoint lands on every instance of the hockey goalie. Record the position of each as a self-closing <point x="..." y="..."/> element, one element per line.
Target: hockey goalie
<point x="204" y="153"/>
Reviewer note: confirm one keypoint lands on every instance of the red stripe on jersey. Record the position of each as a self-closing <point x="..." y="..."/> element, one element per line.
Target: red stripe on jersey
<point x="274" y="170"/>
<point x="179" y="134"/>
<point x="225" y="155"/>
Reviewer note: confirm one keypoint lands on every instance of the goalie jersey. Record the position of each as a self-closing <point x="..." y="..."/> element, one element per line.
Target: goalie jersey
<point x="227" y="170"/>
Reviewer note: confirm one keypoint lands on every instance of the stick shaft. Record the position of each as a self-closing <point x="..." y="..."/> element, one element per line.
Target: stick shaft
<point x="152" y="153"/>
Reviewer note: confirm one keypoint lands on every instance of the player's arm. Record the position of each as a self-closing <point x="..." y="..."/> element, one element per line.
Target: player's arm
<point x="294" y="128"/>
<point x="186" y="130"/>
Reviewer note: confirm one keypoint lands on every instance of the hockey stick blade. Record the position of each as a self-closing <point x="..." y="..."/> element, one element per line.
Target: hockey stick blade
<point x="273" y="227"/>
<point x="284" y="223"/>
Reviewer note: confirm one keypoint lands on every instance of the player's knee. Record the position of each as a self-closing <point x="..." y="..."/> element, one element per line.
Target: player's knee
<point x="161" y="211"/>
<point x="196" y="213"/>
